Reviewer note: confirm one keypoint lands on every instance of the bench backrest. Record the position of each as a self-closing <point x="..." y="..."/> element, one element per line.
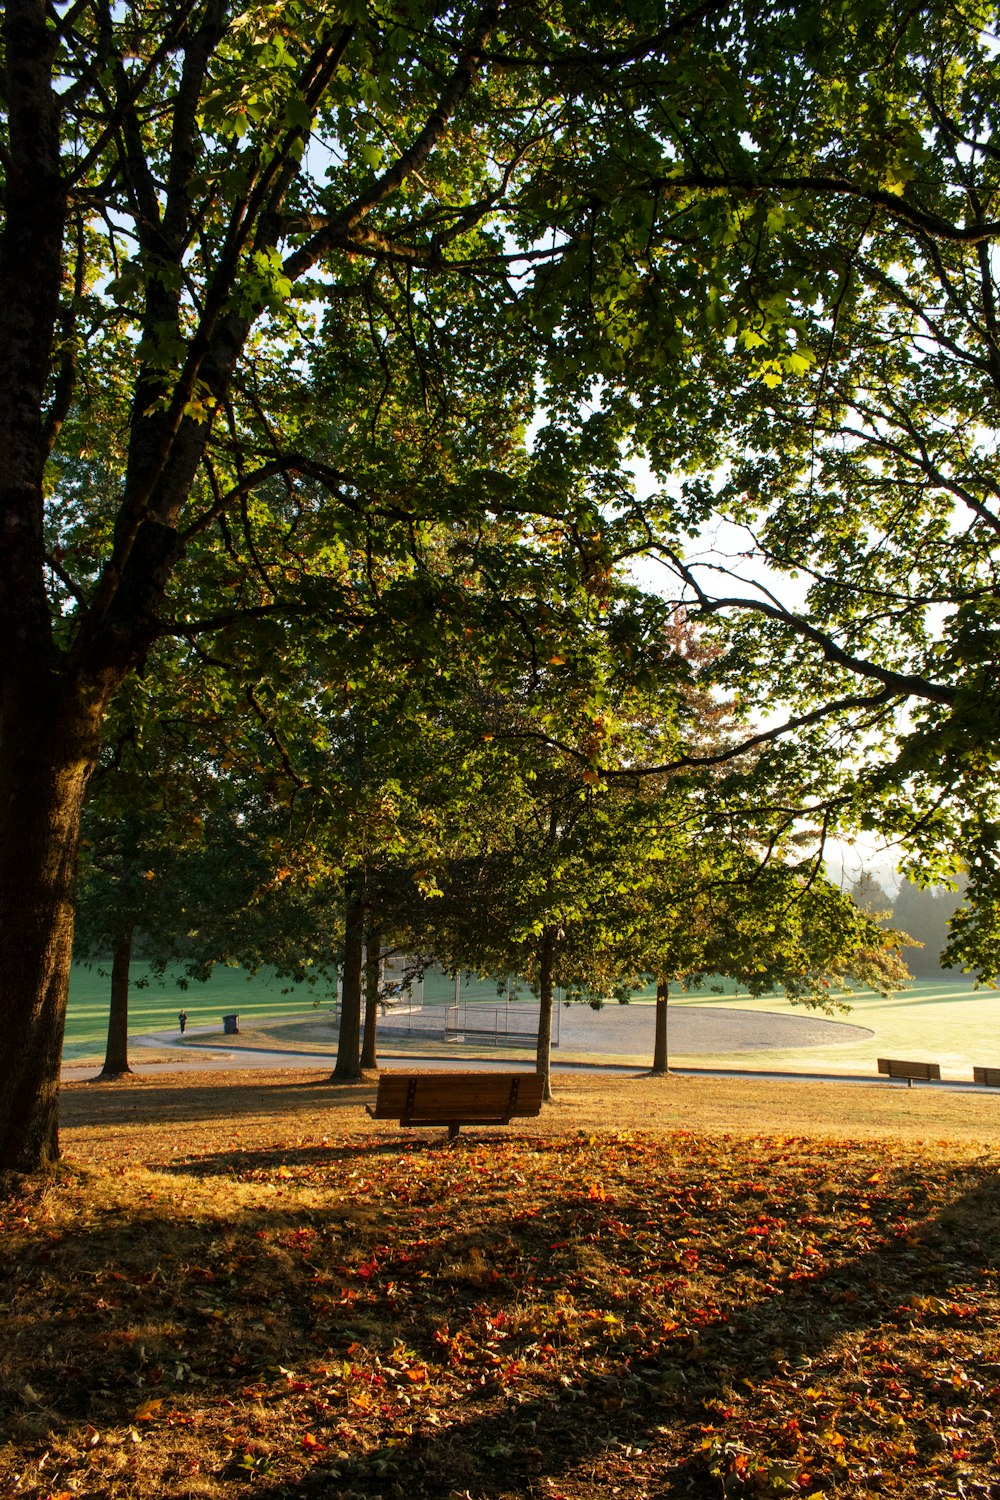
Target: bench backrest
<point x="895" y="1067"/>
<point x="988" y="1076"/>
<point x="471" y="1098"/>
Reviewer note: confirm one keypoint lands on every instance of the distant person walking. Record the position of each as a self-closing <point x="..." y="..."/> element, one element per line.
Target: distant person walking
<point x="182" y="1021"/>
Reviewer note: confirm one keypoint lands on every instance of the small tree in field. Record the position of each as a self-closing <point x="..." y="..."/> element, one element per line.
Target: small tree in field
<point x="599" y="879"/>
<point x="768" y="926"/>
<point x="194" y="850"/>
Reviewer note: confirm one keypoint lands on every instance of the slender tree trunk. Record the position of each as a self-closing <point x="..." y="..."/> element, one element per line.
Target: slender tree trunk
<point x="546" y="987"/>
<point x="373" y="990"/>
<point x="660" y="1057"/>
<point x="116" y="1052"/>
<point x="348" y="1067"/>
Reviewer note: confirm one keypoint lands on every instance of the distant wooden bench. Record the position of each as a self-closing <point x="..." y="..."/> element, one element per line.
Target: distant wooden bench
<point x="456" y="1099"/>
<point x="894" y="1068"/>
<point x="990" y="1077"/>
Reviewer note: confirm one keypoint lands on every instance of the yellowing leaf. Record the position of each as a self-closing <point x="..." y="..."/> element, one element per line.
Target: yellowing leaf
<point x="147" y="1410"/>
<point x="798" y="364"/>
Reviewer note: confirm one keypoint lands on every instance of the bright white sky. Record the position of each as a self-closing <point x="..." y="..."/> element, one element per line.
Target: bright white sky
<point x="724" y="545"/>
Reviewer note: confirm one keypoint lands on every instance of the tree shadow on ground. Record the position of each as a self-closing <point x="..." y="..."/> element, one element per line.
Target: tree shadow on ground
<point x="650" y="1404"/>
<point x="579" y="1339"/>
<point x="206" y="1100"/>
<point x="240" y="1161"/>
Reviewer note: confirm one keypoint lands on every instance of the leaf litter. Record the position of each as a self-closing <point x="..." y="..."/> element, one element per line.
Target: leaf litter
<point x="613" y="1313"/>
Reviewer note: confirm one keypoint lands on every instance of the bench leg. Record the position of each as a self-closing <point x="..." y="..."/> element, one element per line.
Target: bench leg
<point x="453" y="1130"/>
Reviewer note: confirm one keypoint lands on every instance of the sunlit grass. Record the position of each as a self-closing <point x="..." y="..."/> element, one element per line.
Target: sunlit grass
<point x="947" y="1022"/>
<point x="154" y="1003"/>
<point x="154" y="1006"/>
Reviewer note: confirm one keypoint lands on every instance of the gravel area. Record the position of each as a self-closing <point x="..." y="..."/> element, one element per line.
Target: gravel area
<point x="629" y="1028"/>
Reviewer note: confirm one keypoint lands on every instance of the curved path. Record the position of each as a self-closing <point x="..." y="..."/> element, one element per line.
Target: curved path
<point x="615" y="1036"/>
<point x="718" y="1041"/>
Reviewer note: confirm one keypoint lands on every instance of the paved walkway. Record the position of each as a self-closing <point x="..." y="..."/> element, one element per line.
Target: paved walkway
<point x="710" y="1039"/>
<point x="252" y="1058"/>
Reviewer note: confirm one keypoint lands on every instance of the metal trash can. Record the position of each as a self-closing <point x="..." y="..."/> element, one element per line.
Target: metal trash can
<point x="231" y="1024"/>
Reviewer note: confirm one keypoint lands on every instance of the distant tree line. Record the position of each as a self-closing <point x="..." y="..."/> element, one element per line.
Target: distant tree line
<point x="923" y="913"/>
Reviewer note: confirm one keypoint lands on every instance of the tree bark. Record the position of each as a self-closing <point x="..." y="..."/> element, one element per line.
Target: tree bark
<point x="660" y="1056"/>
<point x="116" y="1052"/>
<point x="348" y="1066"/>
<point x="48" y="724"/>
<point x="546" y="988"/>
<point x="373" y="991"/>
<point x="45" y="758"/>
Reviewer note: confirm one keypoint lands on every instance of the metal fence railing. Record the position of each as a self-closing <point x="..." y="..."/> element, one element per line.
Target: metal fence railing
<point x="511" y="1025"/>
<point x="420" y="1007"/>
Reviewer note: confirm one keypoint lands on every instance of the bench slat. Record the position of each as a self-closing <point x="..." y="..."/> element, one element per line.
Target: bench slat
<point x="455" y="1099"/>
<point x="895" y="1067"/>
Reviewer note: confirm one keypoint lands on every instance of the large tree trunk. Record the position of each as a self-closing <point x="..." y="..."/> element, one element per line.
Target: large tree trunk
<point x="348" y="1067"/>
<point x="43" y="772"/>
<point x="546" y="989"/>
<point x="660" y="1059"/>
<point x="373" y="991"/>
<point x="116" y="1052"/>
<point x="40" y="791"/>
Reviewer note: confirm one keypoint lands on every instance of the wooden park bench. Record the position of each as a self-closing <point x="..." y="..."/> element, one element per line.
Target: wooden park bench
<point x="456" y="1099"/>
<point x="894" y="1068"/>
<point x="989" y="1077"/>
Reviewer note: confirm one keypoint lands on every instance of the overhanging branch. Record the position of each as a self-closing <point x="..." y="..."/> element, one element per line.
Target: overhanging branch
<point x="828" y="184"/>
<point x="899" y="684"/>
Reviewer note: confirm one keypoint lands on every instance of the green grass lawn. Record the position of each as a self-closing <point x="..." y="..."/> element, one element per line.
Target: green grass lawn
<point x="945" y="1020"/>
<point x="153" y="1005"/>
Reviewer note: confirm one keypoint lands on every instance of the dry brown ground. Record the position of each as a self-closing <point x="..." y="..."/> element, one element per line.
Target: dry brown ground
<point x="237" y="1285"/>
<point x="143" y="1119"/>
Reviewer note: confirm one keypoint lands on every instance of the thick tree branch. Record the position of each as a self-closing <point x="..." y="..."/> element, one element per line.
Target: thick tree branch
<point x="873" y="701"/>
<point x="31" y="250"/>
<point x="65" y="381"/>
